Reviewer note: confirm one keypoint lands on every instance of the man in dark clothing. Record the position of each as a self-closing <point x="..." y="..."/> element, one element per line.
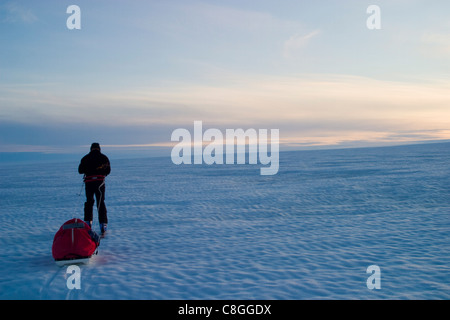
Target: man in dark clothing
<point x="95" y="166"/>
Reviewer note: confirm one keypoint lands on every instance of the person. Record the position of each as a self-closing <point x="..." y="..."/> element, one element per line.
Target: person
<point x="95" y="166"/>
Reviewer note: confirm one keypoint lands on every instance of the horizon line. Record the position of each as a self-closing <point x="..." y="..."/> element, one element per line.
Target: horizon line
<point x="286" y="146"/>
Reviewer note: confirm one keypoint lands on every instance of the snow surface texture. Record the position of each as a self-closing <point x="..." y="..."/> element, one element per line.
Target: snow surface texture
<point x="226" y="232"/>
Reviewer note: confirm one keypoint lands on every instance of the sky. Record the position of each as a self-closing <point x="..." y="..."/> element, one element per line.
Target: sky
<point x="138" y="70"/>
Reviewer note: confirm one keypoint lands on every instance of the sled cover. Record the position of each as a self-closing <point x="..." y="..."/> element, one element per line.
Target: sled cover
<point x="74" y="240"/>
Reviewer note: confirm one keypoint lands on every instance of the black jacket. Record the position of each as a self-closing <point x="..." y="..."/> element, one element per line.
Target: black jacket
<point x="94" y="163"/>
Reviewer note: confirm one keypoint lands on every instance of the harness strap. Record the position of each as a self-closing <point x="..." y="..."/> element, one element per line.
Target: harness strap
<point x="94" y="178"/>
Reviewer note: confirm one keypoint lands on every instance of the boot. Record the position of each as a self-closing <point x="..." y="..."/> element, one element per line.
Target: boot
<point x="103" y="227"/>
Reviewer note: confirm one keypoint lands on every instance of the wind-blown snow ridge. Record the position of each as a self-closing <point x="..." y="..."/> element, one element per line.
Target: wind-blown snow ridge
<point x="225" y="232"/>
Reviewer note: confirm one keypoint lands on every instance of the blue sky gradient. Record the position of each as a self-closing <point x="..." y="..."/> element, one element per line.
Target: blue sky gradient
<point x="137" y="70"/>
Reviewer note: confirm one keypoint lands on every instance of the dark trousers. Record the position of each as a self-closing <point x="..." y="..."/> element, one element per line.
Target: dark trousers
<point x="96" y="188"/>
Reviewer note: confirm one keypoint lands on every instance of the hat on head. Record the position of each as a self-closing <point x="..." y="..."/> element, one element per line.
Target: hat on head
<point x="94" y="146"/>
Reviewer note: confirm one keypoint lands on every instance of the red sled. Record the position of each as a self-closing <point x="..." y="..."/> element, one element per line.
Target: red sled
<point x="74" y="243"/>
